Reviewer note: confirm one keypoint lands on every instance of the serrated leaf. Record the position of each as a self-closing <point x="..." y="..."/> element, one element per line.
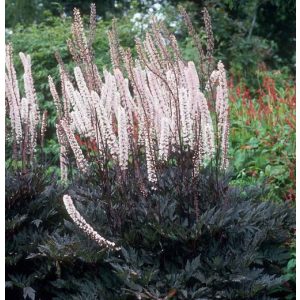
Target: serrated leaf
<point x="29" y="292"/>
<point x="37" y="222"/>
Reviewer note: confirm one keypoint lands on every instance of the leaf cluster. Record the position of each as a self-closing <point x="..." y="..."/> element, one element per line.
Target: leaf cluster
<point x="235" y="247"/>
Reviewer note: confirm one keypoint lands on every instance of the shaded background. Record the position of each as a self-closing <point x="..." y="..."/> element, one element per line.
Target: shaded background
<point x="260" y="31"/>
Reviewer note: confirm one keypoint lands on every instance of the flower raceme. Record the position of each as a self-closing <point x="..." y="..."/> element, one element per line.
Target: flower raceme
<point x="24" y="112"/>
<point x="157" y="96"/>
<point x="84" y="226"/>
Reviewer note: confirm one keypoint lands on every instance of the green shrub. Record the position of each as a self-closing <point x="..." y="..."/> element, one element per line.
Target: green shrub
<point x="263" y="134"/>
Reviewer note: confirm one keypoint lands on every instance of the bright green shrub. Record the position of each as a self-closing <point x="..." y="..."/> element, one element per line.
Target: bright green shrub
<point x="263" y="133"/>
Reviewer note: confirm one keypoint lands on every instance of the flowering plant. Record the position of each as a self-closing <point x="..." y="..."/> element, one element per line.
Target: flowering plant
<point x="151" y="106"/>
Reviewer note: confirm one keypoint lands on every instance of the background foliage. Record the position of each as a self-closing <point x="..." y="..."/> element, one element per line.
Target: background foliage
<point x="248" y="33"/>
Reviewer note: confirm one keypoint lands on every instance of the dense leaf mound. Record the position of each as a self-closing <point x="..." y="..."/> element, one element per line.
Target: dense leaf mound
<point x="190" y="238"/>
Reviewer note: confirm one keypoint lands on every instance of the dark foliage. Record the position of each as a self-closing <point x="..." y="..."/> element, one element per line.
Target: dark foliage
<point x="31" y="215"/>
<point x="235" y="247"/>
